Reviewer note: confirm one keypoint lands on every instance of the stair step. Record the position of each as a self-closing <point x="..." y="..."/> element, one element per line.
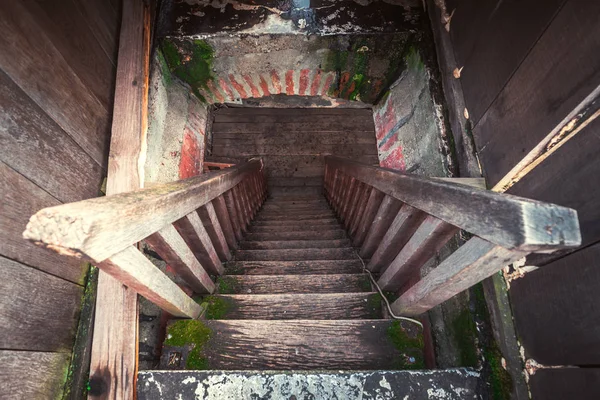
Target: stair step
<point x="454" y="384"/>
<point x="296" y="181"/>
<point x="318" y="200"/>
<point x="296" y="206"/>
<point x="300" y="306"/>
<point x="294" y="217"/>
<point x="293" y="267"/>
<point x="303" y="224"/>
<point x="316" y="234"/>
<point x="309" y="344"/>
<point x="296" y="254"/>
<point x="282" y="191"/>
<point x="294" y="244"/>
<point x="280" y="284"/>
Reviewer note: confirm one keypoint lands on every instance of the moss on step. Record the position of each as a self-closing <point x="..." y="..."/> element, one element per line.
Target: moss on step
<point x="465" y="334"/>
<point x="374" y="305"/>
<point x="193" y="334"/>
<point x="410" y="345"/>
<point x="228" y="285"/>
<point x="216" y="307"/>
<point x="365" y="283"/>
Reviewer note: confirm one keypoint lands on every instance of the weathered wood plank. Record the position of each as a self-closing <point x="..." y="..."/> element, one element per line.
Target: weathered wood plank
<point x="327" y="306"/>
<point x="244" y="149"/>
<point x="321" y="233"/>
<point x="383" y="219"/>
<point x="371" y="209"/>
<point x="398" y="234"/>
<point x="316" y="125"/>
<point x="233" y="213"/>
<point x="294" y="267"/>
<point x="19" y="198"/>
<point x="281" y="284"/>
<point x="225" y="221"/>
<point x="473" y="262"/>
<point x="32" y="61"/>
<point x="428" y="239"/>
<point x="284" y="345"/>
<point x="511" y="222"/>
<point x="45" y="321"/>
<point x="171" y="247"/>
<point x="104" y="20"/>
<point x="36" y="147"/>
<point x="293" y="224"/>
<point x="299" y="139"/>
<point x="191" y="229"/>
<point x="135" y="271"/>
<point x="296" y="254"/>
<point x="211" y="222"/>
<point x="32" y="375"/>
<point x="295" y="244"/>
<point x="361" y="206"/>
<point x="109" y="224"/>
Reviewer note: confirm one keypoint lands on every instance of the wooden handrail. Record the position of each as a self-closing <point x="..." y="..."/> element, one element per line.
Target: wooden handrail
<point x="189" y="223"/>
<point x="399" y="221"/>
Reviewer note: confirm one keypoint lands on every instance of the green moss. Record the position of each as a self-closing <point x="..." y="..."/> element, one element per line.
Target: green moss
<point x="413" y="59"/>
<point x="336" y="60"/>
<point x="190" y="61"/>
<point x="465" y="334"/>
<point x="410" y="347"/>
<point x="167" y="78"/>
<point x="191" y="333"/>
<point x="227" y="285"/>
<point x="234" y="268"/>
<point x="374" y="305"/>
<point x="216" y="307"/>
<point x="365" y="284"/>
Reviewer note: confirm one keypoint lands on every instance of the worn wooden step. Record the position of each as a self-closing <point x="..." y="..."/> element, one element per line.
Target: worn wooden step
<point x="452" y="384"/>
<point x="304" y="181"/>
<point x="365" y="305"/>
<point x="295" y="208"/>
<point x="309" y="234"/>
<point x="295" y="244"/>
<point x="291" y="217"/>
<point x="307" y="345"/>
<point x="283" y="191"/>
<point x="294" y="267"/>
<point x="296" y="197"/>
<point x="292" y="225"/>
<point x="280" y="284"/>
<point x="296" y="254"/>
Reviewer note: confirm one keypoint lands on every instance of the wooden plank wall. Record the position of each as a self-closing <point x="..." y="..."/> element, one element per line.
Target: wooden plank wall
<point x="57" y="71"/>
<point x="528" y="68"/>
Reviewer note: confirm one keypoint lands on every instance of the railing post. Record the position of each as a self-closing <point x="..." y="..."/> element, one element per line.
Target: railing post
<point x="225" y="220"/>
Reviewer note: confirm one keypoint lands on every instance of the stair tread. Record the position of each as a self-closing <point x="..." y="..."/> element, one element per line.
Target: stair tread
<point x="291" y="217"/>
<point x="298" y="225"/>
<point x="460" y="383"/>
<point x="295" y="244"/>
<point x="284" y="284"/>
<point x="319" y="234"/>
<point x="299" y="267"/>
<point x="296" y="254"/>
<point x="305" y="344"/>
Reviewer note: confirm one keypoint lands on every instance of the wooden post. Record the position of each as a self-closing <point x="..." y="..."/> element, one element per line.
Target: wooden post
<point x="373" y="204"/>
<point x="193" y="232"/>
<point x="383" y="219"/>
<point x="233" y="213"/>
<point x="225" y="220"/>
<point x="362" y="205"/>
<point x="209" y="218"/>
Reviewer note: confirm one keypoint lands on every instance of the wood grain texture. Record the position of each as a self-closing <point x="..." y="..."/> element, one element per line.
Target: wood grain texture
<point x="173" y="249"/>
<point x="386" y="213"/>
<point x="211" y="222"/>
<point x="294" y="267"/>
<point x="109" y="224"/>
<point x="566" y="383"/>
<point x="20" y="198"/>
<point x="398" y="234"/>
<point x="36" y="147"/>
<point x="322" y="233"/>
<point x="427" y="240"/>
<point x="511" y="222"/>
<point x="295" y="254"/>
<point x="278" y="128"/>
<point x="282" y="284"/>
<point x="37" y="311"/>
<point x="294" y="217"/>
<point x="295" y="244"/>
<point x="225" y="221"/>
<point x="233" y="213"/>
<point x="32" y="61"/>
<point x="470" y="264"/>
<point x="301" y="345"/>
<point x="564" y="65"/>
<point x="302" y="306"/>
<point x="293" y="225"/>
<point x="104" y="20"/>
<point x="191" y="229"/>
<point x="32" y="375"/>
<point x="361" y="207"/>
<point x="371" y="209"/>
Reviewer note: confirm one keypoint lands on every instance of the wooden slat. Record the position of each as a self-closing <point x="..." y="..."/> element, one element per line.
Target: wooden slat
<point x="171" y="247"/>
<point x="109" y="224"/>
<point x="473" y="262"/>
<point x="45" y="321"/>
<point x="358" y="192"/>
<point x="511" y="222"/>
<point x="299" y="138"/>
<point x="295" y="267"/>
<point x="32" y="375"/>
<point x="195" y="235"/>
<point x="31" y="60"/>
<point x="295" y="244"/>
<point x="398" y="234"/>
<point x="233" y="213"/>
<point x="255" y="149"/>
<point x="347" y="199"/>
<point x="135" y="271"/>
<point x="211" y="222"/>
<point x="364" y="225"/>
<point x="239" y="205"/>
<point x="225" y="221"/>
<point x="296" y="254"/>
<point x="320" y="125"/>
<point x="381" y="222"/>
<point x="428" y="239"/>
<point x="282" y="284"/>
<point x="104" y="21"/>
<point x="361" y="206"/>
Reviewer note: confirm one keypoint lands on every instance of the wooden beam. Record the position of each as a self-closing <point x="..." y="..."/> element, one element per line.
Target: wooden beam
<point x="386" y="213"/>
<point x="209" y="218"/>
<point x="508" y="221"/>
<point x="473" y="262"/>
<point x="195" y="235"/>
<point x="373" y="204"/>
<point x="225" y="220"/>
<point x="104" y="226"/>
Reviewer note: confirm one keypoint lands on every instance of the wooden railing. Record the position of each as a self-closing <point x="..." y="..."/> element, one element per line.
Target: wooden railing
<point x="400" y="221"/>
<point x="192" y="224"/>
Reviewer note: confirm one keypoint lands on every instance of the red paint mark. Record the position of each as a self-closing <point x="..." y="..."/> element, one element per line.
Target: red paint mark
<point x="314" y="88"/>
<point x="390" y="143"/>
<point x="289" y="82"/>
<point x="226" y="89"/>
<point x="276" y="82"/>
<point x="253" y="88"/>
<point x="264" y="86"/>
<point x="395" y="160"/>
<point x="303" y="81"/>
<point x="385" y="120"/>
<point x="191" y="156"/>
<point x="328" y="83"/>
<point x="344" y="78"/>
<point x="215" y="92"/>
<point x="237" y="86"/>
<point x="350" y="90"/>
